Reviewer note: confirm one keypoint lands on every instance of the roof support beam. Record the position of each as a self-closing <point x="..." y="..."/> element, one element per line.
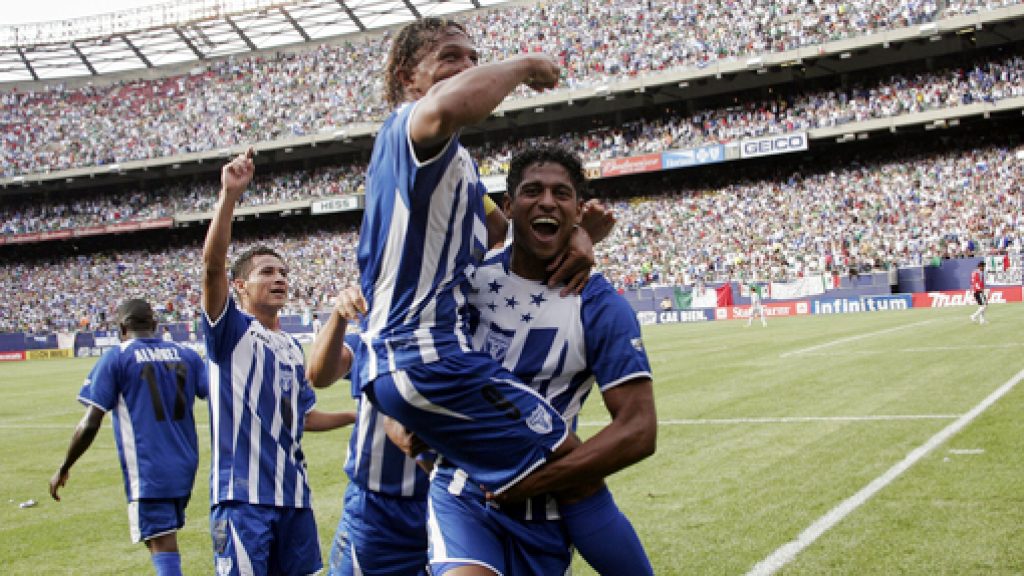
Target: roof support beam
<point x="299" y="29"/>
<point x="28" y="64"/>
<point x="190" y="44"/>
<point x="84" y="59"/>
<point x="137" y="51"/>
<point x="351" y="15"/>
<point x="241" y="34"/>
<point x="412" y="9"/>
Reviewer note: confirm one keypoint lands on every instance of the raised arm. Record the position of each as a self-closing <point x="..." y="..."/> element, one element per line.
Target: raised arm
<point x="629" y="438"/>
<point x="84" y="434"/>
<point x="330" y="360"/>
<point x="234" y="178"/>
<point x="470" y="96"/>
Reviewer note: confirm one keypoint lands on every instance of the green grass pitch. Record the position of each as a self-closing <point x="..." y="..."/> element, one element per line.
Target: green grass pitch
<point x="762" y="433"/>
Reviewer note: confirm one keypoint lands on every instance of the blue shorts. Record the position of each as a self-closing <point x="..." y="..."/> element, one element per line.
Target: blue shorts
<point x="379" y="535"/>
<point x="252" y="540"/>
<point x="152" y="517"/>
<point x="464" y="529"/>
<point x="475" y="413"/>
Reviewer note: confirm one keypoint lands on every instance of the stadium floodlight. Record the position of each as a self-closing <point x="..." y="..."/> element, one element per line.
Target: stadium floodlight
<point x="845" y="55"/>
<point x="539" y="109"/>
<point x="114" y="168"/>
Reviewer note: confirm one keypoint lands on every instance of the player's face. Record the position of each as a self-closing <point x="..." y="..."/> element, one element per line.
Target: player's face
<point x="267" y="283"/>
<point x="543" y="212"/>
<point x="453" y="53"/>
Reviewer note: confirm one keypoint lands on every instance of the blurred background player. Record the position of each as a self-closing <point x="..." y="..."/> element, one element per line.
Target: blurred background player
<point x="150" y="385"/>
<point x="978" y="287"/>
<point x="261" y="516"/>
<point x="756" y="305"/>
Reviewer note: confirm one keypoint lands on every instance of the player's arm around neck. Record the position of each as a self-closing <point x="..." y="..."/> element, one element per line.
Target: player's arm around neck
<point x="470" y="96"/>
<point x="234" y="178"/>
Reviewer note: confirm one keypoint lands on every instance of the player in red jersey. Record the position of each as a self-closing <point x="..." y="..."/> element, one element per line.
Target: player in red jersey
<point x="978" y="287"/>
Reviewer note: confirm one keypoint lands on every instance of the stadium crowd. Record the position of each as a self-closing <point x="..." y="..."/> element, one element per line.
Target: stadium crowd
<point x="986" y="81"/>
<point x="270" y="97"/>
<point x="848" y="219"/>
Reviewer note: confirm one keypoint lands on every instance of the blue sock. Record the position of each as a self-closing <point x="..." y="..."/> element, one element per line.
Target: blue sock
<point x="604" y="536"/>
<point x="167" y="563"/>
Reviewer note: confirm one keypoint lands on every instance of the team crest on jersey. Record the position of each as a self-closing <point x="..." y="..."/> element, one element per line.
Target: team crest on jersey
<point x="286" y="377"/>
<point x="223" y="566"/>
<point x="637" y="343"/>
<point x="539" y="421"/>
<point x="496" y="345"/>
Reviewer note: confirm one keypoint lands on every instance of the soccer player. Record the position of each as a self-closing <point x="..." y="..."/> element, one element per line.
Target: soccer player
<point x="150" y="386"/>
<point x="423" y="230"/>
<point x="978" y="287"/>
<point x="756" y="306"/>
<point x="559" y="347"/>
<point x="261" y="517"/>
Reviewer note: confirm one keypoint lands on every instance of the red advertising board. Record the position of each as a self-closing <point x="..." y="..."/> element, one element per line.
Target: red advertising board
<point x="23" y="238"/>
<point x="770" y="309"/>
<point x="945" y="298"/>
<point x="12" y="356"/>
<point x="631" y="165"/>
<point x="57" y="235"/>
<point x="90" y="231"/>
<point x="156" y="223"/>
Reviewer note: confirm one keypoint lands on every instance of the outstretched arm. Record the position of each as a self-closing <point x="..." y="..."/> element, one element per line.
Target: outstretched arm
<point x="84" y="434"/>
<point x="629" y="438"/>
<point x="317" y="421"/>
<point x="234" y="178"/>
<point x="330" y="360"/>
<point x="470" y="96"/>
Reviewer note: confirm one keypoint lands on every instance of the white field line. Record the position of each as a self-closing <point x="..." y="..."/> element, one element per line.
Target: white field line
<point x="679" y="422"/>
<point x="853" y="338"/>
<point x="787" y="552"/>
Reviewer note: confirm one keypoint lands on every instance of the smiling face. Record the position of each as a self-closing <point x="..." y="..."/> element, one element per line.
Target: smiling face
<point x="265" y="288"/>
<point x="544" y="208"/>
<point x="450" y="53"/>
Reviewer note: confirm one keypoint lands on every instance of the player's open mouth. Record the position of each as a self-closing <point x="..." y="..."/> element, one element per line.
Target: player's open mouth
<point x="545" y="227"/>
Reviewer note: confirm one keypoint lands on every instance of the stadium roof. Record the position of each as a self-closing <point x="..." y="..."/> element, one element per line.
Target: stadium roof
<point x="193" y="30"/>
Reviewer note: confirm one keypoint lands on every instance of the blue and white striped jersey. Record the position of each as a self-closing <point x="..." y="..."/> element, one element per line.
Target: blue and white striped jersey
<point x="374" y="462"/>
<point x="259" y="398"/>
<point x="150" y="386"/>
<point x="558" y="346"/>
<point x="423" y="227"/>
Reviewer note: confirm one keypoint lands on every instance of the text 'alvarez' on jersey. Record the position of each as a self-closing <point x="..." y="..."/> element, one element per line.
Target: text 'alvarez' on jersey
<point x="150" y="387"/>
<point x="423" y="226"/>
<point x="259" y="398"/>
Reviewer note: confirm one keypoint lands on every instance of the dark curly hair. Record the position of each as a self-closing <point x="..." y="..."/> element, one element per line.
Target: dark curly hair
<point x="540" y="154"/>
<point x="409" y="45"/>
